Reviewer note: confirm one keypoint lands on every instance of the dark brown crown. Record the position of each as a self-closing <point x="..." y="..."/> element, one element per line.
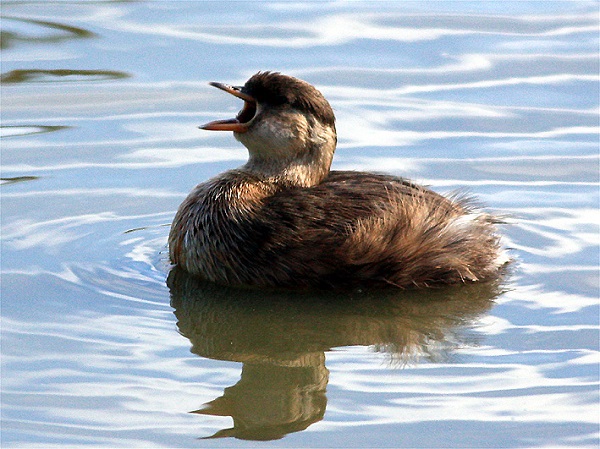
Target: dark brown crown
<point x="275" y="89"/>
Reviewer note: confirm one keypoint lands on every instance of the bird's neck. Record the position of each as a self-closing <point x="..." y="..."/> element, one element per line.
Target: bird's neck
<point x="305" y="172"/>
<point x="296" y="156"/>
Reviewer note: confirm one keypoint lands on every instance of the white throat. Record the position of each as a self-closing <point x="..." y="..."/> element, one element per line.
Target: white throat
<point x="289" y="146"/>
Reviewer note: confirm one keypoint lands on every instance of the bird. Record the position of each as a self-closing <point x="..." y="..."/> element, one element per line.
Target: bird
<point x="284" y="219"/>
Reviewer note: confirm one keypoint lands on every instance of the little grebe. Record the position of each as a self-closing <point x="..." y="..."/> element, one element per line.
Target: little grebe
<point x="284" y="219"/>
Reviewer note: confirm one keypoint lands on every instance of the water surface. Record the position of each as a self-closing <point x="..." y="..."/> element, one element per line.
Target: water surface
<point x="103" y="347"/>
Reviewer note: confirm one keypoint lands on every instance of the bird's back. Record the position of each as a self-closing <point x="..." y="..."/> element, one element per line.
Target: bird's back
<point x="353" y="229"/>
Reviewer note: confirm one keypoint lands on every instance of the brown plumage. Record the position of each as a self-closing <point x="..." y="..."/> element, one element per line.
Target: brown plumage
<point x="284" y="220"/>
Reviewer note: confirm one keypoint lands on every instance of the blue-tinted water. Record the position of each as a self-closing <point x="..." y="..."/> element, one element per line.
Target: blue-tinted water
<point x="100" y="107"/>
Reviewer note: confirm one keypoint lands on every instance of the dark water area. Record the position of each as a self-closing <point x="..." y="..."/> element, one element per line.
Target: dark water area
<point x="104" y="345"/>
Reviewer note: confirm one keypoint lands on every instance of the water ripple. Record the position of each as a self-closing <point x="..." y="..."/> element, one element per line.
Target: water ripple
<point x="99" y="350"/>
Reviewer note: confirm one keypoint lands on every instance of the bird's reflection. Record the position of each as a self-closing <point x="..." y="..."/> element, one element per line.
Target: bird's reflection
<point x="281" y="339"/>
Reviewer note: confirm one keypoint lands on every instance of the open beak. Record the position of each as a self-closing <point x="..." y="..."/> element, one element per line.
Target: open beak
<point x="240" y="123"/>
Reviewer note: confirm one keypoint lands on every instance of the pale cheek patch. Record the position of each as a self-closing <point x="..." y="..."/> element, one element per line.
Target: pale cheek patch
<point x="276" y="136"/>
